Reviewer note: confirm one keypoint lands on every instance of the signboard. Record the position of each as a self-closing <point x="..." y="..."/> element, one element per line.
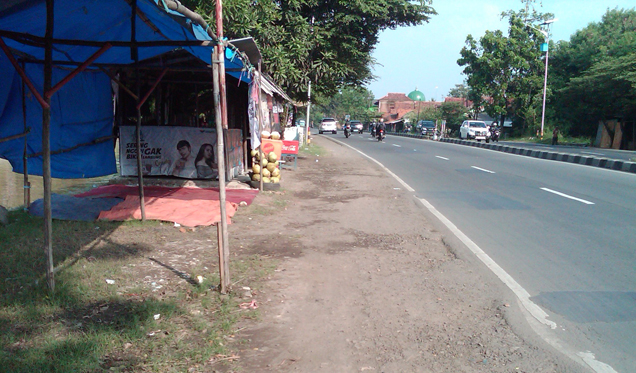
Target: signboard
<point x="275" y="146"/>
<point x="544" y="47"/>
<point x="290" y="147"/>
<point x="185" y="152"/>
<point x="233" y="153"/>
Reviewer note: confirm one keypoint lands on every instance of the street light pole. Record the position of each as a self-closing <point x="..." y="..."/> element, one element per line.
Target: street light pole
<point x="545" y="85"/>
<point x="545" y="79"/>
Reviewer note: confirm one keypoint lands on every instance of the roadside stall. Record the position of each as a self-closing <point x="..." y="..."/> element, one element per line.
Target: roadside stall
<point x="56" y="95"/>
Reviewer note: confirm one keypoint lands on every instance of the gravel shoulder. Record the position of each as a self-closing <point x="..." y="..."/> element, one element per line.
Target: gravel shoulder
<point x="366" y="280"/>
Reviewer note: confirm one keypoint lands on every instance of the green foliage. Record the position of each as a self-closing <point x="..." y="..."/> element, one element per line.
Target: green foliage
<point x="328" y="42"/>
<point x="505" y="71"/>
<point x="454" y="114"/>
<point x="594" y="74"/>
<point x="354" y="101"/>
<point x="460" y="90"/>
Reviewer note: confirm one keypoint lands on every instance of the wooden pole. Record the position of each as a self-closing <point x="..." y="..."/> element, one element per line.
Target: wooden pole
<point x="221" y="231"/>
<point x="260" y="125"/>
<point x="26" y="186"/>
<point x="46" y="146"/>
<point x="221" y="127"/>
<point x="221" y="138"/>
<point x="135" y="56"/>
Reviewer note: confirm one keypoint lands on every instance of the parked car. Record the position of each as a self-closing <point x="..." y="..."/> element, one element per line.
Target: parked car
<point x="356" y="125"/>
<point x="474" y="129"/>
<point x="328" y="125"/>
<point x="427" y="127"/>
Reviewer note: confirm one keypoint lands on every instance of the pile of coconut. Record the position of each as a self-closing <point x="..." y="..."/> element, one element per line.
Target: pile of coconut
<point x="266" y="165"/>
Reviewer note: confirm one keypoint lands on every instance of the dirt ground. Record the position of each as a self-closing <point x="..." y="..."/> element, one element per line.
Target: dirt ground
<point x="365" y="283"/>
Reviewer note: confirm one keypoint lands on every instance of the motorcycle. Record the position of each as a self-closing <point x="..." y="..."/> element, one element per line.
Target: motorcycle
<point x="494" y="134"/>
<point x="380" y="134"/>
<point x="347" y="130"/>
<point x="372" y="131"/>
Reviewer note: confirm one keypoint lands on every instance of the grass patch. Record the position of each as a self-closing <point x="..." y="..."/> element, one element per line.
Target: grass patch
<point x="312" y="149"/>
<point x="547" y="140"/>
<point x="133" y="324"/>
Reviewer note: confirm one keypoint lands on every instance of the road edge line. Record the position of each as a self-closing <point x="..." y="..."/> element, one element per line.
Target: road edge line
<point x="396" y="177"/>
<point x="520" y="292"/>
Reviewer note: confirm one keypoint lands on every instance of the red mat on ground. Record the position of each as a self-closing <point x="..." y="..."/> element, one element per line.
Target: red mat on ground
<point x="185" y="205"/>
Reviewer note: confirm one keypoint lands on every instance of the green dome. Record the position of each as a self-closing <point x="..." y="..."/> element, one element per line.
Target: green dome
<point x="416" y="95"/>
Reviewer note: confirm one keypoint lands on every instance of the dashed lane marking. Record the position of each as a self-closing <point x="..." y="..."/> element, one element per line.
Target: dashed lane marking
<point x="567" y="196"/>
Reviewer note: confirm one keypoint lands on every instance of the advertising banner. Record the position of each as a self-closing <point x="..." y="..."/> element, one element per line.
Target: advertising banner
<point x="185" y="152"/>
<point x="234" y="153"/>
<point x="290" y="147"/>
<point x="275" y="146"/>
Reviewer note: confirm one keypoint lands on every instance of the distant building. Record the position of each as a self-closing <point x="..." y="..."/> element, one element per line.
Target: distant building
<point x="464" y="101"/>
<point x="394" y="106"/>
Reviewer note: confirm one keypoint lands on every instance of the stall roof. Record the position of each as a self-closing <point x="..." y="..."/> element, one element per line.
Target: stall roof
<point x="82" y="113"/>
<point x="248" y="45"/>
<point x="83" y="26"/>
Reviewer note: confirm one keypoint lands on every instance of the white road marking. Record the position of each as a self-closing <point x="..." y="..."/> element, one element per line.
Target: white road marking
<point x="399" y="146"/>
<point x="444" y="158"/>
<point x="567" y="196"/>
<point x="598" y="366"/>
<point x="482" y="169"/>
<point x="592" y="153"/>
<point x="519" y="291"/>
<point x="396" y="177"/>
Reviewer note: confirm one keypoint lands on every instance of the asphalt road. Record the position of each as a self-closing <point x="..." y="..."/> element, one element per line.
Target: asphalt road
<point x="622" y="155"/>
<point x="566" y="233"/>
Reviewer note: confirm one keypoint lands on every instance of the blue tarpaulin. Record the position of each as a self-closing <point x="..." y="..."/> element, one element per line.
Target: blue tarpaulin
<point x="82" y="110"/>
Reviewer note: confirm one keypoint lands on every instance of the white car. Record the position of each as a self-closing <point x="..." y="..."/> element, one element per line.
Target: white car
<point x="328" y="125"/>
<point x="474" y="129"/>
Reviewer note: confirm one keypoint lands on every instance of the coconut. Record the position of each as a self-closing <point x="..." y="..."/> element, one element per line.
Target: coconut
<point x="265" y="134"/>
<point x="266" y="173"/>
<point x="263" y="162"/>
<point x="272" y="157"/>
<point x="256" y="177"/>
<point x="276" y="164"/>
<point x="256" y="169"/>
<point x="254" y="153"/>
<point x="275" y="179"/>
<point x="266" y="180"/>
<point x="271" y="167"/>
<point x="275" y="135"/>
<point x="275" y="172"/>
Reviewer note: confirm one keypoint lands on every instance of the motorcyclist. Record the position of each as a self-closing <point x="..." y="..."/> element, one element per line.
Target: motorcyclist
<point x="380" y="126"/>
<point x="494" y="131"/>
<point x="372" y="129"/>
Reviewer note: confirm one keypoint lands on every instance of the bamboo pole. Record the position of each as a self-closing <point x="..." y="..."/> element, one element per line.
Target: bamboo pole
<point x="223" y="260"/>
<point x="46" y="145"/>
<point x="26" y="186"/>
<point x="221" y="127"/>
<point x="135" y="56"/>
<point x="260" y="126"/>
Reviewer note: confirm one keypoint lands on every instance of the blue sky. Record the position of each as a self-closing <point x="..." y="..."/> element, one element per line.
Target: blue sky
<point x="426" y="56"/>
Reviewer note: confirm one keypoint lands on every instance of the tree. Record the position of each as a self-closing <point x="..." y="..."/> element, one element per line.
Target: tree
<point x="505" y="72"/>
<point x="594" y="74"/>
<point x="326" y="42"/>
<point x="352" y="101"/>
<point x="454" y="113"/>
<point x="460" y="91"/>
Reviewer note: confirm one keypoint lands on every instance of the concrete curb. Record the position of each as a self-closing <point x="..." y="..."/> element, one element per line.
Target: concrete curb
<point x="612" y="164"/>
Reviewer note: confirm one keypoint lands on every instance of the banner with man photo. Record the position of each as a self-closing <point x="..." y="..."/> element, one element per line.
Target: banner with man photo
<point x="185" y="152"/>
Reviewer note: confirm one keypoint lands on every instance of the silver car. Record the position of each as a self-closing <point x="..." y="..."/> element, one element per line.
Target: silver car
<point x="474" y="129"/>
<point x="328" y="125"/>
